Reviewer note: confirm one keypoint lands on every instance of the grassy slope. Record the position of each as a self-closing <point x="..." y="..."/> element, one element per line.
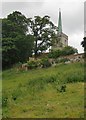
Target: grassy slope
<point x="36" y="99"/>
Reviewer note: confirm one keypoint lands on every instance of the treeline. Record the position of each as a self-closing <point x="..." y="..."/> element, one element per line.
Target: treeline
<point x="21" y="37"/>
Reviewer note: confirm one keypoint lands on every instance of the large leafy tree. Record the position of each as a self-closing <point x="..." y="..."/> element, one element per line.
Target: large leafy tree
<point x="16" y="49"/>
<point x="43" y="31"/>
<point x="24" y="45"/>
<point x="9" y="52"/>
<point x="16" y="44"/>
<point x="15" y="23"/>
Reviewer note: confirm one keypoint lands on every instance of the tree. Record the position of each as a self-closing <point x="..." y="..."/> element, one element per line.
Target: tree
<point x="24" y="45"/>
<point x="69" y="50"/>
<point x="9" y="52"/>
<point x="43" y="31"/>
<point x="20" y="22"/>
<point x="14" y="24"/>
<point x="17" y="45"/>
<point x="83" y="43"/>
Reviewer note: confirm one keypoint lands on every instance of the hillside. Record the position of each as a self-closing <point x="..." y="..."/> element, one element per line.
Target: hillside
<point x="55" y="92"/>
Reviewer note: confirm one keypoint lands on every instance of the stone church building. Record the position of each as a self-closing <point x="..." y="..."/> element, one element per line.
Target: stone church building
<point x="62" y="38"/>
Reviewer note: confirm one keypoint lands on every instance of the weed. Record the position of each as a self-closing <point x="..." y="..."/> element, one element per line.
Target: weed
<point x="4" y="101"/>
<point x="74" y="77"/>
<point x="61" y="88"/>
<point x="16" y="93"/>
<point x="24" y="110"/>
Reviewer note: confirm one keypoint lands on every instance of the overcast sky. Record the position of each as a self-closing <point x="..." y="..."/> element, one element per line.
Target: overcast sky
<point x="72" y="15"/>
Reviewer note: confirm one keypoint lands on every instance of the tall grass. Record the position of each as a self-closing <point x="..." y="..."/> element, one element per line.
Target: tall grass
<point x="27" y="86"/>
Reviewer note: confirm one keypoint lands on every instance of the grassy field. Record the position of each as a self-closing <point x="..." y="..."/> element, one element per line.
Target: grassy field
<point x="39" y="94"/>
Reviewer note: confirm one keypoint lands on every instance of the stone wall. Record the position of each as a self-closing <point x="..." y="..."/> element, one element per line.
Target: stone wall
<point x="75" y="57"/>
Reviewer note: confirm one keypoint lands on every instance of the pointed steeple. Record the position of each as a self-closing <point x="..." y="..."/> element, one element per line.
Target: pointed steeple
<point x="59" y="23"/>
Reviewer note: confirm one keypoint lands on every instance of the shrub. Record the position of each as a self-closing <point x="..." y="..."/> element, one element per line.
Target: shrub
<point x="19" y="64"/>
<point x="45" y="63"/>
<point x="54" y="54"/>
<point x="61" y="88"/>
<point x="32" y="64"/>
<point x="65" y="51"/>
<point x="4" y="101"/>
<point x="68" y="51"/>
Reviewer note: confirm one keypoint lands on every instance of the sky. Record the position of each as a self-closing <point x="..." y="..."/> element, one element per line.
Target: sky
<point x="72" y="12"/>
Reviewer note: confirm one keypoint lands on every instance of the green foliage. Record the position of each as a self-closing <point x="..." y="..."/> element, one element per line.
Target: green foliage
<point x="74" y="77"/>
<point x="41" y="92"/>
<point x="32" y="64"/>
<point x="61" y="88"/>
<point x="15" y="28"/>
<point x="83" y="43"/>
<point x="4" y="101"/>
<point x="9" y="52"/>
<point x="40" y="63"/>
<point x="24" y="45"/>
<point x="45" y="62"/>
<point x="16" y="94"/>
<point x="62" y="60"/>
<point x="15" y="24"/>
<point x="17" y="46"/>
<point x="19" y="21"/>
<point x="69" y="50"/>
<point x="40" y="83"/>
<point x="18" y="65"/>
<point x="16" y="50"/>
<point x="65" y="51"/>
<point x="54" y="54"/>
<point x="43" y="30"/>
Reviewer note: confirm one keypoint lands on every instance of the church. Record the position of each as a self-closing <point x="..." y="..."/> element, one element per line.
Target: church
<point x="62" y="38"/>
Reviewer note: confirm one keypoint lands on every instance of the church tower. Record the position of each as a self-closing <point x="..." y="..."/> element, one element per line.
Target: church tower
<point x="62" y="39"/>
<point x="59" y="23"/>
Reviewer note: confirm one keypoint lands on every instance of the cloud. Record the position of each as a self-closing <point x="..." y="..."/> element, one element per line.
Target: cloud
<point x="75" y="41"/>
<point x="27" y="8"/>
<point x="23" y="0"/>
<point x="43" y="0"/>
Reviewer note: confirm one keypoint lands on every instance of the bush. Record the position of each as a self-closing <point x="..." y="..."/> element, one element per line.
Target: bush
<point x="65" y="51"/>
<point x="45" y="63"/>
<point x="4" y="101"/>
<point x="32" y="64"/>
<point x="61" y="88"/>
<point x="68" y="51"/>
<point x="54" y="54"/>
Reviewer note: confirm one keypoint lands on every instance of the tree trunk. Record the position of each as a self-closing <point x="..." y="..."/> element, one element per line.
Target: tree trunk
<point x="36" y="49"/>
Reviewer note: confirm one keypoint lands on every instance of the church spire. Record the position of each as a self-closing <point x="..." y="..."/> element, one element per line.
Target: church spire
<point x="59" y="23"/>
